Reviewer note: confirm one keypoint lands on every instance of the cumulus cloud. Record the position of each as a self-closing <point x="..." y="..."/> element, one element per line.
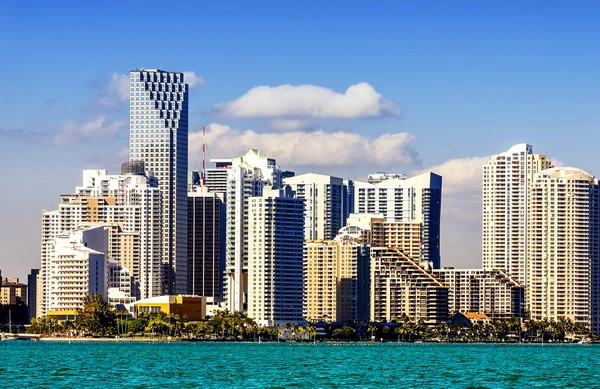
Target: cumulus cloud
<point x="309" y="101"/>
<point x="310" y="148"/>
<point x="287" y="124"/>
<point x="192" y="79"/>
<point x="97" y="129"/>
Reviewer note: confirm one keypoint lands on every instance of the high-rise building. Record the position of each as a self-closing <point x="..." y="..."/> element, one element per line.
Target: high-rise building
<point x="77" y="266"/>
<point x="401" y="285"/>
<point x="275" y="257"/>
<point x="32" y="280"/>
<point x="206" y="243"/>
<point x="564" y="247"/>
<point x="507" y="178"/>
<point x="327" y="201"/>
<point x="246" y="177"/>
<point x="159" y="137"/>
<point x="336" y="280"/>
<point x="493" y="292"/>
<point x="131" y="204"/>
<point x="416" y="199"/>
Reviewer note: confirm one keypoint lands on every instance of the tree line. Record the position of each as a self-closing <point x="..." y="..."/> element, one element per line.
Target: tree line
<point x="96" y="318"/>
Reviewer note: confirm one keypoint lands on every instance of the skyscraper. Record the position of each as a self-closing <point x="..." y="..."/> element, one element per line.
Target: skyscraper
<point x="275" y="257"/>
<point x="246" y="177"/>
<point x="327" y="201"/>
<point x="507" y="178"/>
<point x="206" y="243"/>
<point x="564" y="247"/>
<point x="159" y="138"/>
<point x="416" y="199"/>
<point x="32" y="280"/>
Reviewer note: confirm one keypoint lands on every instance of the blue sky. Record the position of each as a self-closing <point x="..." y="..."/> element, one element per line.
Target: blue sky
<point x="470" y="79"/>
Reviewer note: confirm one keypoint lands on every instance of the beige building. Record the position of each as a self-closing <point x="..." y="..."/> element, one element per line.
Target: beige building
<point x="563" y="250"/>
<point x="12" y="292"/>
<point x="401" y="285"/>
<point x="507" y="178"/>
<point x="493" y="292"/>
<point x="336" y="280"/>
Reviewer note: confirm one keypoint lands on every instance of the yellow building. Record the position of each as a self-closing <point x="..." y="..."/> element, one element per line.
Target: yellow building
<point x="63" y="315"/>
<point x="192" y="307"/>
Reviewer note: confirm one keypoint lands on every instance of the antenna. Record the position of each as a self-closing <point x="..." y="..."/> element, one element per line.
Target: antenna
<point x="203" y="154"/>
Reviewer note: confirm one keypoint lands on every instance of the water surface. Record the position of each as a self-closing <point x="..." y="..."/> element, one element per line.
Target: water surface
<point x="279" y="365"/>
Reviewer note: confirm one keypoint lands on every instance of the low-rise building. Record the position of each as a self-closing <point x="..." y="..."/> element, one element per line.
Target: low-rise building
<point x="192" y="307"/>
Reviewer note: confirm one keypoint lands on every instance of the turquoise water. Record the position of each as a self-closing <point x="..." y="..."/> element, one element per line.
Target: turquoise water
<point x="273" y="365"/>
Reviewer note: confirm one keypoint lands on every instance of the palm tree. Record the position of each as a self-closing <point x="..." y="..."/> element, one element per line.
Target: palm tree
<point x="371" y="328"/>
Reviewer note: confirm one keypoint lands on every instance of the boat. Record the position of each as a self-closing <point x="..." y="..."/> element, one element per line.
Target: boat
<point x="10" y="335"/>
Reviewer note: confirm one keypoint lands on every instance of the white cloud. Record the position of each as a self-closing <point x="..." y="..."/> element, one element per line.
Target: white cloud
<point x="287" y="124"/>
<point x="314" y="148"/>
<point x="309" y="101"/>
<point x="192" y="79"/>
<point x="116" y="91"/>
<point x="97" y="129"/>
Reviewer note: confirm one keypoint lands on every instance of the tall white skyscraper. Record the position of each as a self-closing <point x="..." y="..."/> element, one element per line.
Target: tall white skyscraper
<point x="275" y="257"/>
<point x="159" y="137"/>
<point x="327" y="201"/>
<point x="507" y="178"/>
<point x="416" y="199"/>
<point x="246" y="177"/>
<point x="564" y="247"/>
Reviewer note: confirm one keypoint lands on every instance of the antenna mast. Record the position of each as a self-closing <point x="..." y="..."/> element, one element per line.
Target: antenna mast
<point x="203" y="154"/>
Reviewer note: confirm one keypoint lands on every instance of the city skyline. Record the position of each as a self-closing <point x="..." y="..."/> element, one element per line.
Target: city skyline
<point x="478" y="104"/>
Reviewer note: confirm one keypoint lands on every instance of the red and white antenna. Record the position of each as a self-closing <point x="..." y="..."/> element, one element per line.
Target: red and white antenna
<point x="203" y="154"/>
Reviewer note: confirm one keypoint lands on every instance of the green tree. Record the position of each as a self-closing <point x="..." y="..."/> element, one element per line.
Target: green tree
<point x="96" y="317"/>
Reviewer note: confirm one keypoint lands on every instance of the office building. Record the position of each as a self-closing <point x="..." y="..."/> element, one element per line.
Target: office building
<point x="275" y="257"/>
<point x="401" y="285"/>
<point x="336" y="280"/>
<point x="564" y="247"/>
<point x="32" y="281"/>
<point x="13" y="301"/>
<point x="327" y="201"/>
<point x="206" y="243"/>
<point x="507" y="179"/>
<point x="493" y="292"/>
<point x="414" y="200"/>
<point x="159" y="137"/>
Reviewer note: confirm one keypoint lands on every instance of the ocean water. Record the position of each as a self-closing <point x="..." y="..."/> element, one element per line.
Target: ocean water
<point x="278" y="365"/>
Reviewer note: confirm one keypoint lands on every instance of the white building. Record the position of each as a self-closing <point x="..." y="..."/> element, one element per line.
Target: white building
<point x="246" y="177"/>
<point x="327" y="203"/>
<point x="416" y="199"/>
<point x="564" y="247"/>
<point x="275" y="257"/>
<point x="131" y="205"/>
<point x="159" y="137"/>
<point x="507" y="178"/>
<point x="376" y="178"/>
<point x="77" y="267"/>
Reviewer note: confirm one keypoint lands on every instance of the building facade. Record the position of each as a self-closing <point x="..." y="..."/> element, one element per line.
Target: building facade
<point x="327" y="201"/>
<point x="507" y="179"/>
<point x="336" y="280"/>
<point x="494" y="293"/>
<point x="78" y="266"/>
<point x="159" y="137"/>
<point x="32" y="281"/>
<point x="564" y="247"/>
<point x="275" y="257"/>
<point x="416" y="199"/>
<point x="401" y="285"/>
<point x="246" y="177"/>
<point x="206" y="244"/>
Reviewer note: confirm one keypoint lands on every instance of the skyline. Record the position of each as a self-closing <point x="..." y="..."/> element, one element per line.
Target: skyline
<point x="437" y="95"/>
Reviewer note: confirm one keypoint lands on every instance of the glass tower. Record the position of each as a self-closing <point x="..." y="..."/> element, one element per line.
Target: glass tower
<point x="158" y="136"/>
